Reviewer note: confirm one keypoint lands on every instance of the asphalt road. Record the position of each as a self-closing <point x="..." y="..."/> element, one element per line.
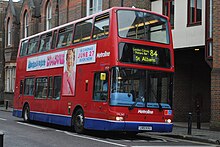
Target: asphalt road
<point x="20" y="134"/>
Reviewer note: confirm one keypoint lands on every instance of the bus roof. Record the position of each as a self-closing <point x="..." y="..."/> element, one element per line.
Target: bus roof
<point x="92" y="16"/>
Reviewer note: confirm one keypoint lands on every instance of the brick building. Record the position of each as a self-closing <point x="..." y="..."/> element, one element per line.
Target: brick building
<point x="215" y="59"/>
<point x="3" y="5"/>
<point x="11" y="42"/>
<point x="197" y="75"/>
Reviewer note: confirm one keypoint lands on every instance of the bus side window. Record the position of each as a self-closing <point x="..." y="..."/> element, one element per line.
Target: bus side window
<point x="65" y="36"/>
<point x="101" y="27"/>
<point x="33" y="45"/>
<point x="100" y="87"/>
<point x="23" y="50"/>
<point x="54" y="40"/>
<point x="29" y="86"/>
<point x="57" y="87"/>
<point x="21" y="87"/>
<point x="41" y="87"/>
<point x="50" y="87"/>
<point x="83" y="31"/>
<point x="45" y="42"/>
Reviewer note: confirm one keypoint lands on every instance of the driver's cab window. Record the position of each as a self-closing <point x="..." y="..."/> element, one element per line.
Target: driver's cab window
<point x="100" y="86"/>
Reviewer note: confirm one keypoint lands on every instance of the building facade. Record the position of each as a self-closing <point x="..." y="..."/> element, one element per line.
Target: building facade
<point x="3" y="5"/>
<point x="195" y="26"/>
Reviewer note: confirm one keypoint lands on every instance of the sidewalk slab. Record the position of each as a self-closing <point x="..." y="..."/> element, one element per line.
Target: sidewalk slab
<point x="180" y="131"/>
<point x="3" y="108"/>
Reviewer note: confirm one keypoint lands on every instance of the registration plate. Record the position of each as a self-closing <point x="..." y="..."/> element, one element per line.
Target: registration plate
<point x="146" y="128"/>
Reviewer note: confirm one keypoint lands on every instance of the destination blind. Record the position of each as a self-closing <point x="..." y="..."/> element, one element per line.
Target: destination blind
<point x="146" y="55"/>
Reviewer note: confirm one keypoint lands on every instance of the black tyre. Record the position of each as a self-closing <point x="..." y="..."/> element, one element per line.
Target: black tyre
<point x="131" y="134"/>
<point x="26" y="113"/>
<point x="78" y="121"/>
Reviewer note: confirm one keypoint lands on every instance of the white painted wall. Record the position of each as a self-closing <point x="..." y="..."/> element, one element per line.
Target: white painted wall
<point x="184" y="36"/>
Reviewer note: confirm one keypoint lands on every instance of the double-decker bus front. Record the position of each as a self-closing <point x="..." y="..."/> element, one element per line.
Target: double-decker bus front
<point x="141" y="73"/>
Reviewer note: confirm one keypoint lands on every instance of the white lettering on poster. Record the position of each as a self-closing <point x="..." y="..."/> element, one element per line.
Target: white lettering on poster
<point x="86" y="54"/>
<point x="53" y="60"/>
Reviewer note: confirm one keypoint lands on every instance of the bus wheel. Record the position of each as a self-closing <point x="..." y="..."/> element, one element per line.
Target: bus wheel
<point x="26" y="113"/>
<point x="78" y="121"/>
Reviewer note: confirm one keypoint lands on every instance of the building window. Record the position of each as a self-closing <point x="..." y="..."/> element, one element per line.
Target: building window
<point x="194" y="12"/>
<point x="209" y="30"/>
<point x="9" y="79"/>
<point x="93" y="6"/>
<point x="168" y="10"/>
<point x="26" y="24"/>
<point x="48" y="16"/>
<point x="9" y="33"/>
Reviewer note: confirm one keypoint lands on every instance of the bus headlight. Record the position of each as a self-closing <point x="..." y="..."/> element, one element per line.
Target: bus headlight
<point x="168" y="121"/>
<point x="119" y="118"/>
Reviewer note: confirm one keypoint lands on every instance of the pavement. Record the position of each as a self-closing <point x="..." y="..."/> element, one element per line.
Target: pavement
<point x="180" y="131"/>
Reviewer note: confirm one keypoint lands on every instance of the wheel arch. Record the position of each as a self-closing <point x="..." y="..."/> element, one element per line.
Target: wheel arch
<point x="76" y="108"/>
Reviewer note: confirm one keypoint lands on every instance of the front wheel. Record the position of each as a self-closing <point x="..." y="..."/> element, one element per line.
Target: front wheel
<point x="26" y="113"/>
<point x="78" y="121"/>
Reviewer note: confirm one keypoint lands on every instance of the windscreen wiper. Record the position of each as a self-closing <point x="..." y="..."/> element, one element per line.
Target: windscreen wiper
<point x="135" y="103"/>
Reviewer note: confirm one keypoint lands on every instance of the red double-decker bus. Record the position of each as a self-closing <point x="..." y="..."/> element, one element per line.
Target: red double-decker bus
<point x="111" y="71"/>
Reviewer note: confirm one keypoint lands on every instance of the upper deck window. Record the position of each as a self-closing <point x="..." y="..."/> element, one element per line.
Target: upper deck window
<point x="101" y="27"/>
<point x="142" y="26"/>
<point x="23" y="49"/>
<point x="83" y="31"/>
<point x="45" y="42"/>
<point x="65" y="36"/>
<point x="33" y="45"/>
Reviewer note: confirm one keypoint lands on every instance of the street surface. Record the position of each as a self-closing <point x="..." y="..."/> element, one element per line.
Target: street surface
<point x="20" y="134"/>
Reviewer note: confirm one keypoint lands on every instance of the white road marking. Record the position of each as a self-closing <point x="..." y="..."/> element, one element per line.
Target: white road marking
<point x="94" y="139"/>
<point x="3" y="119"/>
<point x="172" y="146"/>
<point x="32" y="125"/>
<point x="183" y="140"/>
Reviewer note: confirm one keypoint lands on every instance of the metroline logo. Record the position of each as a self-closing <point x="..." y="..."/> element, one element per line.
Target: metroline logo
<point x="105" y="54"/>
<point x="145" y="112"/>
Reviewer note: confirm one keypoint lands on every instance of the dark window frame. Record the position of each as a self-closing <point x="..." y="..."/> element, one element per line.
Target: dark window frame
<point x="54" y="96"/>
<point x="65" y="32"/>
<point x="36" y="95"/>
<point x="45" y="36"/>
<point x="23" y="51"/>
<point x="194" y="22"/>
<point x="21" y="92"/>
<point x="101" y="90"/>
<point x="35" y="48"/>
<point x="32" y="87"/>
<point x="80" y="39"/>
<point x="96" y="35"/>
<point x="167" y="6"/>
